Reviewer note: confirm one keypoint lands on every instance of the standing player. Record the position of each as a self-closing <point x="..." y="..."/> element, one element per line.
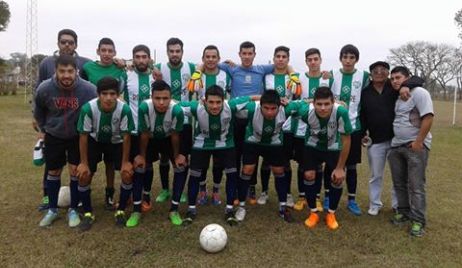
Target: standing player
<point x="213" y="135"/>
<point x="347" y="87"/>
<point x="104" y="125"/>
<point x="327" y="141"/>
<point x="161" y="119"/>
<point x="176" y="74"/>
<point x="57" y="106"/>
<point x="93" y="71"/>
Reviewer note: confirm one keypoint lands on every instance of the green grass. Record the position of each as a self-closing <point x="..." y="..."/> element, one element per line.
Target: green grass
<point x="262" y="240"/>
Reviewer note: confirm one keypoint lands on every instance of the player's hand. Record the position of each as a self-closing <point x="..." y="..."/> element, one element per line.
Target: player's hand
<point x="180" y="160"/>
<point x="83" y="172"/>
<point x="326" y="75"/>
<point x="342" y="103"/>
<point x="416" y="146"/>
<point x="195" y="82"/>
<point x="127" y="169"/>
<point x="284" y="101"/>
<point x="119" y="62"/>
<point x="139" y="162"/>
<point x="404" y="93"/>
<point x="40" y="136"/>
<point x="35" y="125"/>
<point x="338" y="175"/>
<point x="156" y="74"/>
<point x="294" y="85"/>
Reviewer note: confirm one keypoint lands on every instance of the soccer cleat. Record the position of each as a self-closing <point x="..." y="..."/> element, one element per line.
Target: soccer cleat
<point x="290" y="201"/>
<point x="49" y="218"/>
<point x="190" y="216"/>
<point x="109" y="203"/>
<point x="319" y="205"/>
<point x="216" y="199"/>
<point x="300" y="204"/>
<point x="230" y="218"/>
<point x="417" y="229"/>
<point x="119" y="217"/>
<point x="87" y="222"/>
<point x="326" y="203"/>
<point x="286" y="215"/>
<point x="203" y="199"/>
<point x="312" y="220"/>
<point x="252" y="197"/>
<point x="263" y="199"/>
<point x="163" y="196"/>
<point x="240" y="213"/>
<point x="45" y="203"/>
<point x="183" y="198"/>
<point x="73" y="218"/>
<point x="353" y="207"/>
<point x="331" y="221"/>
<point x="134" y="220"/>
<point x="175" y="218"/>
<point x="146" y="206"/>
<point x="399" y="219"/>
<point x="373" y="211"/>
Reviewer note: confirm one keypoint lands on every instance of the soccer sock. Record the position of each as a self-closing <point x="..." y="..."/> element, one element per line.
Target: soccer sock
<point x="253" y="181"/>
<point x="351" y="180"/>
<point x="137" y="192"/>
<point x="327" y="186"/>
<point x="265" y="173"/>
<point x="319" y="178"/>
<point x="179" y="179"/>
<point x="147" y="179"/>
<point x="85" y="197"/>
<point x="280" y="182"/>
<point x="217" y="174"/>
<point x="44" y="181"/>
<point x="53" y="185"/>
<point x="74" y="189"/>
<point x="202" y="182"/>
<point x="164" y="169"/>
<point x="125" y="191"/>
<point x="243" y="187"/>
<point x="109" y="192"/>
<point x="231" y="184"/>
<point x="335" y="194"/>
<point x="310" y="188"/>
<point x="288" y="177"/>
<point x="193" y="186"/>
<point x="300" y="183"/>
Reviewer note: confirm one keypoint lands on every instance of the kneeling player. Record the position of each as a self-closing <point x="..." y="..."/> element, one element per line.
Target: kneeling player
<point x="327" y="141"/>
<point x="104" y="125"/>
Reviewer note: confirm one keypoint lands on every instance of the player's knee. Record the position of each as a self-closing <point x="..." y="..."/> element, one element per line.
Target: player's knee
<point x="126" y="178"/>
<point x="84" y="180"/>
<point x="277" y="170"/>
<point x="55" y="172"/>
<point x="248" y="169"/>
<point x="310" y="175"/>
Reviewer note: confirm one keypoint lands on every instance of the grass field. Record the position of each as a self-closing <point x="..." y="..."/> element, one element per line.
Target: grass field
<point x="262" y="240"/>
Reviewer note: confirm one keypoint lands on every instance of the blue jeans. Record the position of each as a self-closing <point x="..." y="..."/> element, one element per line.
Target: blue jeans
<point x="408" y="173"/>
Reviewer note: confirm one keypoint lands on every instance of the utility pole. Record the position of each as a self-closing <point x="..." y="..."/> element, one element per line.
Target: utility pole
<point x="31" y="46"/>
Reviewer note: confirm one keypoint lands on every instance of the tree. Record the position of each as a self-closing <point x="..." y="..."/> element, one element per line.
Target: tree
<point x="4" y="15"/>
<point x="458" y="20"/>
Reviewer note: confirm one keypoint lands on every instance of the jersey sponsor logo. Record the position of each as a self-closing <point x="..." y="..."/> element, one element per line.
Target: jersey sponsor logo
<point x="226" y="121"/>
<point x="185" y="77"/>
<point x="268" y="129"/>
<point x="332" y="125"/>
<point x="346" y="89"/>
<point x="214" y="127"/>
<point x="144" y="88"/>
<point x="312" y="91"/>
<point x="280" y="89"/>
<point x="115" y="120"/>
<point x="159" y="129"/>
<point x="63" y="103"/>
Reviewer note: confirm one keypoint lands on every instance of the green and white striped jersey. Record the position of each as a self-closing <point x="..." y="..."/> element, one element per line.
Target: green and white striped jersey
<point x="309" y="85"/>
<point x="263" y="131"/>
<point x="137" y="89"/>
<point x="177" y="79"/>
<point x="278" y="82"/>
<point x="93" y="72"/>
<point x="324" y="133"/>
<point x="102" y="126"/>
<point x="347" y="88"/>
<point x="214" y="132"/>
<point x="221" y="79"/>
<point x="160" y="125"/>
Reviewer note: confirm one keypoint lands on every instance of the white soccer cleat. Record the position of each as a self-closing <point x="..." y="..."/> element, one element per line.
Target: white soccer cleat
<point x="240" y="214"/>
<point x="290" y="201"/>
<point x="263" y="199"/>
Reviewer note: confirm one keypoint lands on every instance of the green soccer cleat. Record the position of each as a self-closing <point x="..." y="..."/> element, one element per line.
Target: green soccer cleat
<point x="417" y="229"/>
<point x="87" y="221"/>
<point x="175" y="218"/>
<point x="183" y="198"/>
<point x="45" y="204"/>
<point x="163" y="196"/>
<point x="134" y="220"/>
<point x="399" y="219"/>
<point x="119" y="217"/>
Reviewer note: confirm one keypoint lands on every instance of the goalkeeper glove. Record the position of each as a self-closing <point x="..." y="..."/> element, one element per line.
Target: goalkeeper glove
<point x="294" y="84"/>
<point x="195" y="82"/>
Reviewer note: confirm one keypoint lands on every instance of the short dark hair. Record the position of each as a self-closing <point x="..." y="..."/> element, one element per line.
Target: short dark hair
<point x="141" y="47"/>
<point x="107" y="83"/>
<point x="246" y="44"/>
<point x="270" y="97"/>
<point x="215" y="90"/>
<point x="282" y="48"/>
<point x="401" y="69"/>
<point x="323" y="93"/>
<point x="349" y="49"/>
<point x="174" y="41"/>
<point x="67" y="32"/>
<point x="65" y="60"/>
<point x="160" y="85"/>
<point x="211" y="47"/>
<point x="106" y="41"/>
<point x="312" y="51"/>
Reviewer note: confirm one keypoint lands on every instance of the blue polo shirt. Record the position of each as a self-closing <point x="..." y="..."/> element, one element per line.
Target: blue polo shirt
<point x="247" y="81"/>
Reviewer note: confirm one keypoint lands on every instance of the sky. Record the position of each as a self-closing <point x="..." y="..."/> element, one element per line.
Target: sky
<point x="373" y="26"/>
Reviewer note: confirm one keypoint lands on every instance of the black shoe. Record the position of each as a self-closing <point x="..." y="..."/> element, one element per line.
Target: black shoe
<point x="86" y="222"/>
<point x="120" y="219"/>
<point x="190" y="217"/>
<point x="230" y="218"/>
<point x="286" y="215"/>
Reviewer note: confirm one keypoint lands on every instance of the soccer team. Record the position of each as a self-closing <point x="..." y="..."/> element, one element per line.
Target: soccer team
<point x="182" y="114"/>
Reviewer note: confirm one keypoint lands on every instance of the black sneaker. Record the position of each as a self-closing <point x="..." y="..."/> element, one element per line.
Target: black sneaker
<point x="286" y="215"/>
<point x="190" y="217"/>
<point x="120" y="219"/>
<point x="399" y="219"/>
<point x="87" y="222"/>
<point x="230" y="218"/>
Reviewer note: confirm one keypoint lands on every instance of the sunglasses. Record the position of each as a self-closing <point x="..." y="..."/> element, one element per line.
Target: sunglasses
<point x="66" y="42"/>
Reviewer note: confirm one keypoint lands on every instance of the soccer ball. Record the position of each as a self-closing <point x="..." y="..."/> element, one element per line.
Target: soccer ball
<point x="213" y="238"/>
<point x="64" y="197"/>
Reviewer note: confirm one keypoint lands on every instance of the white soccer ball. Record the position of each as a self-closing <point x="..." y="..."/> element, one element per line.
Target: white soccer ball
<point x="64" y="197"/>
<point x="213" y="238"/>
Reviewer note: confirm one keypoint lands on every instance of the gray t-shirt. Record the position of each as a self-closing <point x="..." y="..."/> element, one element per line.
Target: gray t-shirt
<point x="408" y="117"/>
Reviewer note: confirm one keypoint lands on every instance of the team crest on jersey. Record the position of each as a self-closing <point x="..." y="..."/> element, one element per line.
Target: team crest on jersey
<point x="176" y="83"/>
<point x="356" y="84"/>
<point x="280" y="89"/>
<point x="248" y="79"/>
<point x="115" y="121"/>
<point x="345" y="89"/>
<point x="226" y="121"/>
<point x="185" y="77"/>
<point x="221" y="84"/>
<point x="268" y="129"/>
<point x="144" y="88"/>
<point x="159" y="129"/>
<point x="106" y="129"/>
<point x="312" y="91"/>
<point x="214" y="127"/>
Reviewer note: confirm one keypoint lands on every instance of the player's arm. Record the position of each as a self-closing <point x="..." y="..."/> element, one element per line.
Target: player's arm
<point x="126" y="169"/>
<point x="178" y="115"/>
<point x="39" y="115"/>
<point x="338" y="175"/>
<point x="425" y="107"/>
<point x="83" y="171"/>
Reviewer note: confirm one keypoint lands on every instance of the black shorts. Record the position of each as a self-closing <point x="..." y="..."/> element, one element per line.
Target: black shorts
<point x="225" y="157"/>
<point x="59" y="151"/>
<point x="313" y="158"/>
<point x="273" y="155"/>
<point x="299" y="148"/>
<point x="354" y="157"/>
<point x="109" y="152"/>
<point x="135" y="149"/>
<point x="288" y="143"/>
<point x="186" y="140"/>
<point x="157" y="147"/>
